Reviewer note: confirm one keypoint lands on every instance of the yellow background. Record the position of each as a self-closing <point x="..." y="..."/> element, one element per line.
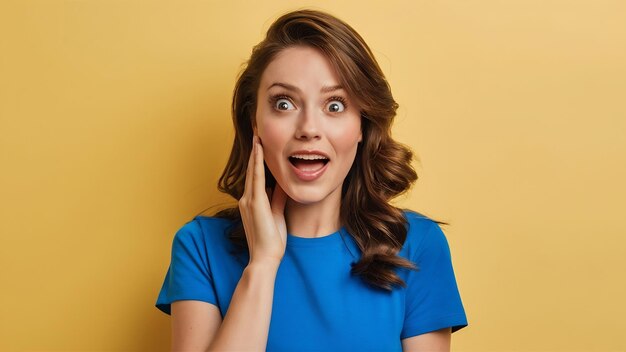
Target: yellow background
<point x="115" y="125"/>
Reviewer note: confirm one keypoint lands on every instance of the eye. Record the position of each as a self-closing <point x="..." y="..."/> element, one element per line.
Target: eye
<point x="336" y="105"/>
<point x="283" y="104"/>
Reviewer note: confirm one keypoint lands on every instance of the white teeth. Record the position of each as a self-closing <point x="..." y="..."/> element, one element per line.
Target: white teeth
<point x="309" y="156"/>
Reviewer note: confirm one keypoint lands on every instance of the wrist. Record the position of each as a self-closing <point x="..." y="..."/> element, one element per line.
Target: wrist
<point x="264" y="264"/>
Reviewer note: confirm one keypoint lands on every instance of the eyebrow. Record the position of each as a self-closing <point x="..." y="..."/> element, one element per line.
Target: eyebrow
<point x="325" y="89"/>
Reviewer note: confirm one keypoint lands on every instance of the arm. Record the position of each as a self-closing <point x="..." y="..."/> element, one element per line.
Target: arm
<point x="433" y="303"/>
<point x="436" y="341"/>
<point x="198" y="326"/>
<point x="246" y="324"/>
<point x="194" y="324"/>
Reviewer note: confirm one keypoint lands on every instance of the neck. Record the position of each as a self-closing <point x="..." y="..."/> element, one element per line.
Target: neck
<point x="316" y="219"/>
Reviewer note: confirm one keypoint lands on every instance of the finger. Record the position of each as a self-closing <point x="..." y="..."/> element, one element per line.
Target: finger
<point x="258" y="185"/>
<point x="248" y="183"/>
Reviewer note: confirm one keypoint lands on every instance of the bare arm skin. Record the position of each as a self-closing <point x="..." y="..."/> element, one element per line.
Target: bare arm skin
<point x="247" y="322"/>
<point x="436" y="341"/>
<point x="194" y="324"/>
<point x="197" y="326"/>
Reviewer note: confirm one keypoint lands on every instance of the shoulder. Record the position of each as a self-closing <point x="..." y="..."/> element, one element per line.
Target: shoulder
<point x="203" y="229"/>
<point x="416" y="219"/>
<point x="423" y="235"/>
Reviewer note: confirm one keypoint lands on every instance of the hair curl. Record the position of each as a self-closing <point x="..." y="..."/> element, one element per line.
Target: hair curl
<point x="382" y="167"/>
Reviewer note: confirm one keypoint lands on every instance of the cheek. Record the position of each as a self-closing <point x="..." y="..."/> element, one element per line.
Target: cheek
<point x="271" y="133"/>
<point x="347" y="137"/>
<point x="273" y="138"/>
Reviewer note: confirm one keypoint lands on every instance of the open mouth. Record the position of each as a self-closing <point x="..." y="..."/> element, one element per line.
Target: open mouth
<point x="308" y="163"/>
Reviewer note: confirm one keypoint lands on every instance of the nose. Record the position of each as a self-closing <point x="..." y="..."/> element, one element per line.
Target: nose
<point x="308" y="125"/>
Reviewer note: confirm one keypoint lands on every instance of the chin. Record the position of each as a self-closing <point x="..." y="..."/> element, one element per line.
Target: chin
<point x="306" y="193"/>
<point x="306" y="197"/>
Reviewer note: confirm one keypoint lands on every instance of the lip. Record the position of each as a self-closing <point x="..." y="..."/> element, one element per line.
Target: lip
<point x="310" y="175"/>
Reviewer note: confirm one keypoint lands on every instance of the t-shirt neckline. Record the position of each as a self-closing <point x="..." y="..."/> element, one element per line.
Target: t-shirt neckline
<point x="323" y="241"/>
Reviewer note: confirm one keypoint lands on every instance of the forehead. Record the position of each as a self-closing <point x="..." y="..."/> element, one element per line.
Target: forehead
<point x="301" y="66"/>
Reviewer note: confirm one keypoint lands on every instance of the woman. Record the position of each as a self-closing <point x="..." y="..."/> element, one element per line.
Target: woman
<point x="313" y="257"/>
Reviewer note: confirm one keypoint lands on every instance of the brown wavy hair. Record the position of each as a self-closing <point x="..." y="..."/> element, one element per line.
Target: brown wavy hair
<point x="382" y="167"/>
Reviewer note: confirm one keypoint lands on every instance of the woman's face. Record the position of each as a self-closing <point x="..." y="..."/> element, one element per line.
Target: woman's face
<point x="308" y="125"/>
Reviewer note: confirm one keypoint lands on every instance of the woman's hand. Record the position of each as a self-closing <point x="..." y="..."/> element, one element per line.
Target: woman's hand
<point x="263" y="223"/>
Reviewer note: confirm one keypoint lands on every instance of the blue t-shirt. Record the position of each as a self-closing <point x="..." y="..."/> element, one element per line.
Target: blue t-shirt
<point x="318" y="305"/>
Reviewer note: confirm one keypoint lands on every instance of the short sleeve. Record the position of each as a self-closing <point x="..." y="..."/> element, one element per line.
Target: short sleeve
<point x="433" y="301"/>
<point x="188" y="276"/>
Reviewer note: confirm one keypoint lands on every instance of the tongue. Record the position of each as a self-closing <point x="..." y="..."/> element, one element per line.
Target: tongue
<point x="308" y="165"/>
